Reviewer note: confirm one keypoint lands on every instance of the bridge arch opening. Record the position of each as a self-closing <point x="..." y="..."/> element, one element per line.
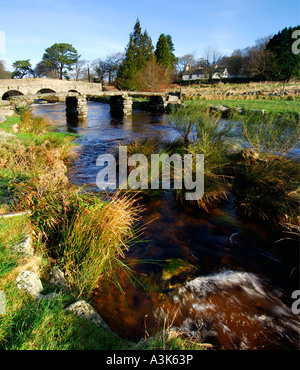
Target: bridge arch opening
<point x="74" y="91"/>
<point x="46" y="91"/>
<point x="11" y="93"/>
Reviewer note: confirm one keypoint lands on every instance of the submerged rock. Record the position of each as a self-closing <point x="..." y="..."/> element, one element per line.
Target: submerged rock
<point x="176" y="272"/>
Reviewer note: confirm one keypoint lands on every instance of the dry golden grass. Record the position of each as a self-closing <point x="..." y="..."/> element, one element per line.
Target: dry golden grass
<point x="96" y="240"/>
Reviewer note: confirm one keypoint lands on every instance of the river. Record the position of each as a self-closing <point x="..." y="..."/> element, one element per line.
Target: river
<point x="233" y="280"/>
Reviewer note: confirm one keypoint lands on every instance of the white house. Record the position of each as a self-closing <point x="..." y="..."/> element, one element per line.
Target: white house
<point x="198" y="74"/>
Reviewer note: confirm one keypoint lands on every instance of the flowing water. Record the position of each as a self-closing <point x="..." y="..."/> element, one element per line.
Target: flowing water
<point x="213" y="276"/>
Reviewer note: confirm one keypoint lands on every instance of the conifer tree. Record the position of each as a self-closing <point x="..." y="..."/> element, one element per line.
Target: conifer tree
<point x="163" y="53"/>
<point x="172" y="49"/>
<point x="286" y="63"/>
<point x="138" y="52"/>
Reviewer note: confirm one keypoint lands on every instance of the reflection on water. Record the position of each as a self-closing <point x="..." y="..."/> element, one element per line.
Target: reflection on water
<point x="237" y="294"/>
<point x="101" y="126"/>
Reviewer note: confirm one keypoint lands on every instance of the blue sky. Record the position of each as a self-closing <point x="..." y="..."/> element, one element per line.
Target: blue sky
<point x="96" y="28"/>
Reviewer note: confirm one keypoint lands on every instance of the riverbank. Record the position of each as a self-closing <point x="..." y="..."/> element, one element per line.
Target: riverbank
<point x="278" y="106"/>
<point x="33" y="168"/>
<point x="272" y="97"/>
<point x="190" y="249"/>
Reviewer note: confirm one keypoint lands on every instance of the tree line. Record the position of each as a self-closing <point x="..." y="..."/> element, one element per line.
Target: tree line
<point x="145" y="67"/>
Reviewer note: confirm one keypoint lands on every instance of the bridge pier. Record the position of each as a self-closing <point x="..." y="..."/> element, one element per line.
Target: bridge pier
<point x="120" y="102"/>
<point x="76" y="108"/>
<point x="162" y="103"/>
<point x="120" y="105"/>
<point x="157" y="103"/>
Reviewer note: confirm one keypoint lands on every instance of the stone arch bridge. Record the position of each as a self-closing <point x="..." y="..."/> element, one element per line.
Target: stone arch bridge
<point x="23" y="92"/>
<point x="33" y="86"/>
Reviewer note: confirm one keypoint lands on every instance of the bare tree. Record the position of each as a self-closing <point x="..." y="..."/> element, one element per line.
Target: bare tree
<point x="112" y="64"/>
<point x="98" y="70"/>
<point x="212" y="62"/>
<point x="79" y="69"/>
<point x="186" y="63"/>
<point x="106" y="69"/>
<point x="235" y="63"/>
<point x="259" y="60"/>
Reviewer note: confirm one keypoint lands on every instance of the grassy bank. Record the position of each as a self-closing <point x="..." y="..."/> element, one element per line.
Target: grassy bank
<point x="278" y="106"/>
<point x="83" y="234"/>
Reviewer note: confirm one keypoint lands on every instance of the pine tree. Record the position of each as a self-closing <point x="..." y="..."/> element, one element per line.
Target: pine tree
<point x="172" y="49"/>
<point x="138" y="51"/>
<point x="60" y="58"/>
<point x="145" y="50"/>
<point x="127" y="70"/>
<point x="162" y="52"/>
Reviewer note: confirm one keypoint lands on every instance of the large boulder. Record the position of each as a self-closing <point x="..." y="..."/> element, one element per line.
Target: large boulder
<point x="30" y="282"/>
<point x="86" y="311"/>
<point x="6" y="135"/>
<point x="2" y="118"/>
<point x="220" y="109"/>
<point x="25" y="247"/>
<point x="57" y="279"/>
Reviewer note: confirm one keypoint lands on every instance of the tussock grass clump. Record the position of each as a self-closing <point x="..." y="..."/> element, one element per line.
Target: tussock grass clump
<point x="146" y="146"/>
<point x="269" y="190"/>
<point x="171" y="339"/>
<point x="204" y="133"/>
<point x="271" y="134"/>
<point x="96" y="239"/>
<point x="183" y="119"/>
<point x="33" y="124"/>
<point x="33" y="176"/>
<point x="267" y="187"/>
